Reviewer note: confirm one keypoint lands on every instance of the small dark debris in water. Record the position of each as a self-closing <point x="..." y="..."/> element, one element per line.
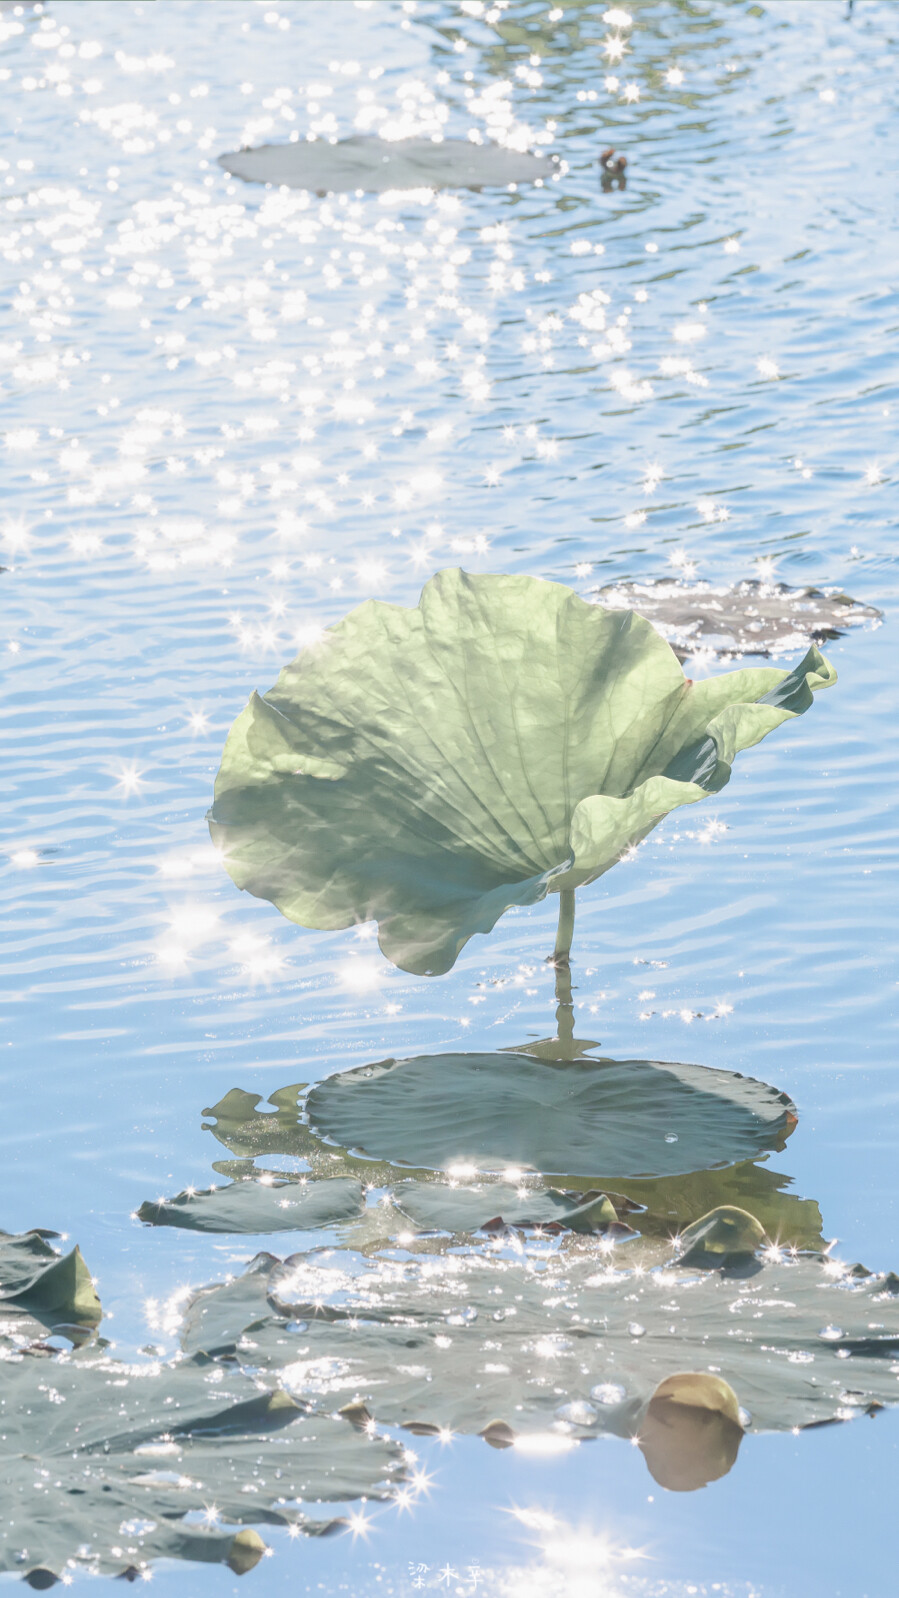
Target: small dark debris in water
<point x="613" y="170"/>
<point x="749" y="618"/>
<point x="379" y="165"/>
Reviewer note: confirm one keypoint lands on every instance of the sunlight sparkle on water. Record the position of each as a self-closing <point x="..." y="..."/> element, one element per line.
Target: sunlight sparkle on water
<point x="544" y="1444"/>
<point x="360" y="974"/>
<point x="25" y="858"/>
<point x="15" y="534"/>
<point x="130" y="780"/>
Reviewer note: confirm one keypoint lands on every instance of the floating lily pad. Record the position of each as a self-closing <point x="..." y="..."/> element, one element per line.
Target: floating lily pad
<point x="219" y="1316"/>
<point x="749" y="618"/>
<point x="428" y="768"/>
<point x="379" y="165"/>
<point x="101" y="1461"/>
<point x="600" y="1118"/>
<point x="42" y="1290"/>
<point x="259" y="1206"/>
<point x="579" y="1344"/>
<point x="664" y="1204"/>
<point x="439" y="1207"/>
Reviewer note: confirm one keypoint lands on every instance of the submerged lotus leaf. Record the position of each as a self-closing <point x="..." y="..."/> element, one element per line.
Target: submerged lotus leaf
<point x="601" y="1118"/>
<point x="568" y="1339"/>
<point x="101" y="1461"/>
<point x="42" y="1289"/>
<point x="378" y="165"/>
<point x="262" y="1206"/>
<point x="750" y="618"/>
<point x="439" y="1207"/>
<point x="428" y="768"/>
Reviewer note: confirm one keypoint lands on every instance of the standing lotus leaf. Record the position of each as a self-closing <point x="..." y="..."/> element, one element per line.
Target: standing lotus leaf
<point x="428" y="768"/>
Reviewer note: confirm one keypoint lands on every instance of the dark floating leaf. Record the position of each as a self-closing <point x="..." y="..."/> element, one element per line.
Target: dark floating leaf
<point x="428" y="768"/>
<point x="590" y="1118"/>
<point x="749" y="618"/>
<point x="578" y="1346"/>
<point x="379" y="165"/>
<point x="101" y="1461"/>
<point x="219" y="1317"/>
<point x="259" y="1206"/>
<point x="41" y="1289"/>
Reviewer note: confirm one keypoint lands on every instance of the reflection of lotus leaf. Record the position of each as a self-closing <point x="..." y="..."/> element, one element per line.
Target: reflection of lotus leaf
<point x="752" y="618"/>
<point x="247" y="1131"/>
<point x="428" y="768"/>
<point x="460" y="1341"/>
<point x="380" y="164"/>
<point x="727" y="1235"/>
<point x="609" y="1118"/>
<point x="102" y="1460"/>
<point x="439" y="1206"/>
<point x="267" y="1206"/>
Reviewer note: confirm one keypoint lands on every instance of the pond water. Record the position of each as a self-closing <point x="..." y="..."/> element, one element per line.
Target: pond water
<point x="230" y="414"/>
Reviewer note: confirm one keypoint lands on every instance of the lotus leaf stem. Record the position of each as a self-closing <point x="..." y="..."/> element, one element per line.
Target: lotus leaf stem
<point x="561" y="959"/>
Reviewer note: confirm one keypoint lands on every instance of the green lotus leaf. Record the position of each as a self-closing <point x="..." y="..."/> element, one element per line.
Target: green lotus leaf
<point x="248" y="1131"/>
<point x="260" y="1206"/>
<point x="595" y="1118"/>
<point x="378" y="165"/>
<point x="42" y="1290"/>
<point x="218" y="1317"/>
<point x="101" y="1462"/>
<point x="579" y="1345"/>
<point x="428" y="768"/>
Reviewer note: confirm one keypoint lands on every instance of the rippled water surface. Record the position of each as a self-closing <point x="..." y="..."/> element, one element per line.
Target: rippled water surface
<point x="231" y="413"/>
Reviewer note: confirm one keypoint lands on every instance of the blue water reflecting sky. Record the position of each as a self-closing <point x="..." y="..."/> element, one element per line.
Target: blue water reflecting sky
<point x="230" y="413"/>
